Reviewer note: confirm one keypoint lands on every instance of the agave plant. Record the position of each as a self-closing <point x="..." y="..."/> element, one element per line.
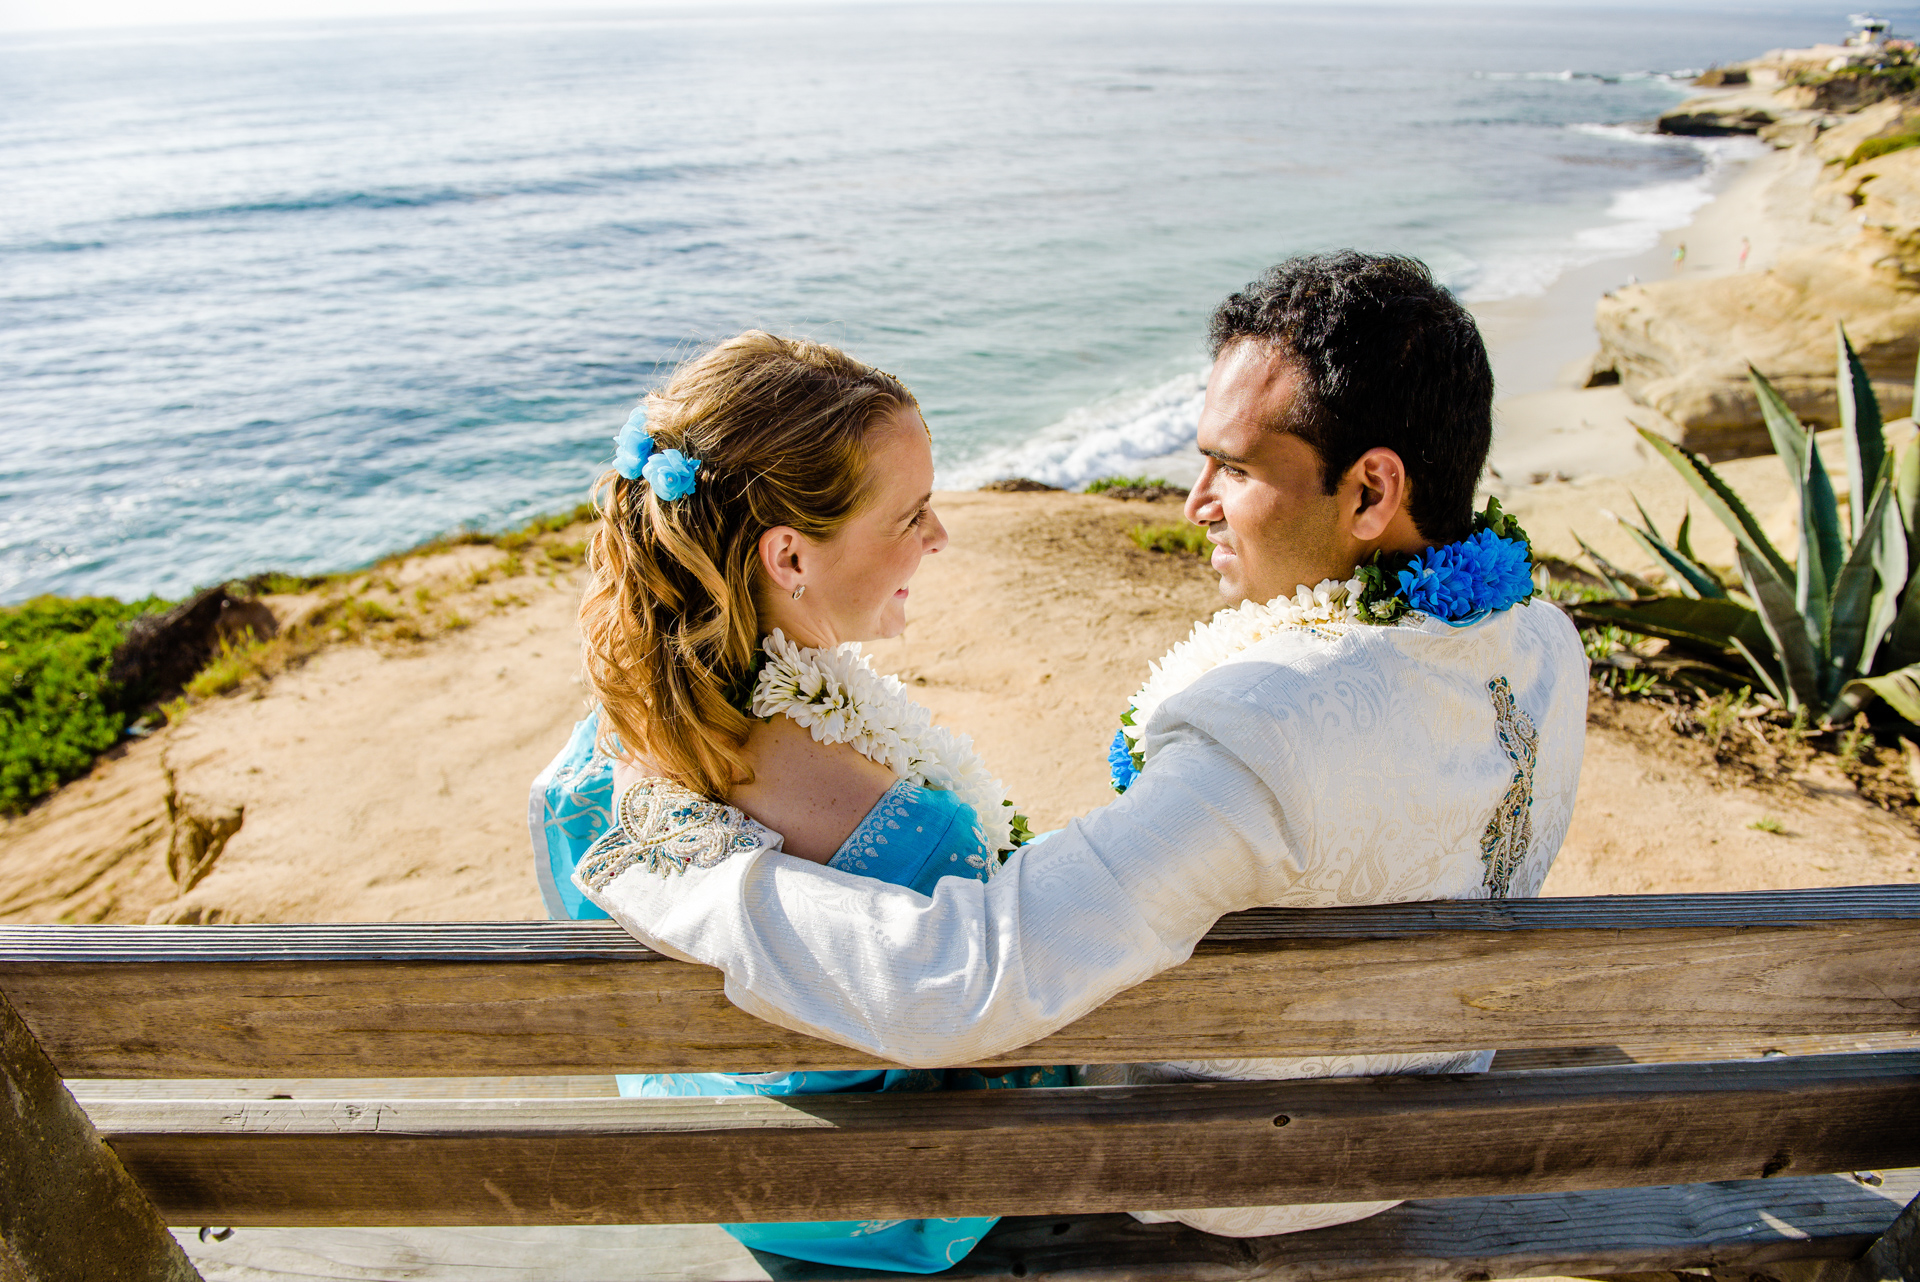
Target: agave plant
<point x="1838" y="625"/>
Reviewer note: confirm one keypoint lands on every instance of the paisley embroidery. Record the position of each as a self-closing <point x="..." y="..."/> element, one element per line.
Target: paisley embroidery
<point x="1509" y="834"/>
<point x="663" y="828"/>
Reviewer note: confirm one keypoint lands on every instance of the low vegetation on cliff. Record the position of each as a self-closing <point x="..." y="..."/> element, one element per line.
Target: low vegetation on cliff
<point x="59" y="707"/>
<point x="77" y="675"/>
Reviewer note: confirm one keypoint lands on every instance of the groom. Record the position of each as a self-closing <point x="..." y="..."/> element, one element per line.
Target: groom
<point x="1348" y="413"/>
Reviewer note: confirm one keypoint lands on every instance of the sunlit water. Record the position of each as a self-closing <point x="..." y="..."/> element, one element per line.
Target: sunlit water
<point x="295" y="297"/>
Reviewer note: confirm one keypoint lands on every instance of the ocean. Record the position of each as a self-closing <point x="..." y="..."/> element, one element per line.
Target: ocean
<point x="293" y="297"/>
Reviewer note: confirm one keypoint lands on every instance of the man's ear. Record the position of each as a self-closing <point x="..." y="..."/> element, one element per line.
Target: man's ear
<point x="1376" y="489"/>
<point x="783" y="552"/>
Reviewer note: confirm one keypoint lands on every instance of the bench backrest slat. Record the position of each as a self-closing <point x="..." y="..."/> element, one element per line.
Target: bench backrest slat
<point x="1007" y="1152"/>
<point x="537" y="998"/>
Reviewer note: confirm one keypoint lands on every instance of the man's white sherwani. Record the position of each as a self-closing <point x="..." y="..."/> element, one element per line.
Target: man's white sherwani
<point x="1329" y="765"/>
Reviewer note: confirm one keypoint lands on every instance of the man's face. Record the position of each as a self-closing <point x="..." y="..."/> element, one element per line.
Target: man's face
<point x="1260" y="496"/>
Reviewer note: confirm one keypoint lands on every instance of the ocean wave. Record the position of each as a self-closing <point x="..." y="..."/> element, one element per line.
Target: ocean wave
<point x="1105" y="439"/>
<point x="603" y="181"/>
<point x="1680" y="77"/>
<point x="1637" y="216"/>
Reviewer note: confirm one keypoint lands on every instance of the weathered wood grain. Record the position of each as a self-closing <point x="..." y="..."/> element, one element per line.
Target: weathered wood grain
<point x="1744" y="1224"/>
<point x="513" y="999"/>
<point x="68" y="1210"/>
<point x="557" y="1161"/>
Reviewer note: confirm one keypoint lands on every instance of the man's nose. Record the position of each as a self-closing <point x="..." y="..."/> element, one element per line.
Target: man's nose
<point x="1201" y="508"/>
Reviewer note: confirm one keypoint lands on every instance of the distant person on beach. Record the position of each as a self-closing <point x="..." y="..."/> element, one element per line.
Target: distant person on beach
<point x="766" y="506"/>
<point x="1746" y="247"/>
<point x="1680" y="254"/>
<point x="1381" y="717"/>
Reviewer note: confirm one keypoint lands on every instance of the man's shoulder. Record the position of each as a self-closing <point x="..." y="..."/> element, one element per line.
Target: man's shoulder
<point x="1533" y="645"/>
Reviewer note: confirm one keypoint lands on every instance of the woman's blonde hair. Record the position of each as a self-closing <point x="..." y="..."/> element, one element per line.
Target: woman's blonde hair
<point x="670" y="618"/>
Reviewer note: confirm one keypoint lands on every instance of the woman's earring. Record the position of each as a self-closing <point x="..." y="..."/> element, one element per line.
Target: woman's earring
<point x="797" y="591"/>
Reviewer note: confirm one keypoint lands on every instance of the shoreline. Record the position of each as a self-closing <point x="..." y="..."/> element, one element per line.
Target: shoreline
<point x="1548" y="424"/>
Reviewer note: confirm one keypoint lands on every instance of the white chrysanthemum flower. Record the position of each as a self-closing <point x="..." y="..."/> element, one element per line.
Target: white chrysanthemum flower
<point x="838" y="697"/>
<point x="1233" y="631"/>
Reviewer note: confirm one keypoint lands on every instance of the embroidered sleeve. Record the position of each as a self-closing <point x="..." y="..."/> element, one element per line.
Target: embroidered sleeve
<point x="1509" y="834"/>
<point x="665" y="828"/>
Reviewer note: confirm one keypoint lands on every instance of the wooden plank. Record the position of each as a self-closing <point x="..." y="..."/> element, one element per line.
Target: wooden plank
<point x="1745" y="1224"/>
<point x="531" y="998"/>
<point x="557" y="1161"/>
<point x="68" y="1210"/>
<point x="1895" y="1256"/>
<point x="601" y="1086"/>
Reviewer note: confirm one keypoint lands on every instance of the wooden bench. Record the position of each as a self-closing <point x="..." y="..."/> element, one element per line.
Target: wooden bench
<point x="1654" y="1108"/>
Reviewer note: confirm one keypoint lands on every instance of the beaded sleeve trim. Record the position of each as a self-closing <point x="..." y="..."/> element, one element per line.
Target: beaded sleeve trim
<point x="1509" y="835"/>
<point x="665" y="828"/>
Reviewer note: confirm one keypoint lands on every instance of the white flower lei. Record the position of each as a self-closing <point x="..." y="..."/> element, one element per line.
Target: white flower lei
<point x="839" y="698"/>
<point x="1232" y="631"/>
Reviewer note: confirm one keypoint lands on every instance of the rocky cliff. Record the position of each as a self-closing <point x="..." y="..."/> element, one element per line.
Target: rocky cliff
<point x="1852" y="221"/>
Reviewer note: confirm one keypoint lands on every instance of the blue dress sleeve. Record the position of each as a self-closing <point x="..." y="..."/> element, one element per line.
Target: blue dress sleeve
<point x="570" y="806"/>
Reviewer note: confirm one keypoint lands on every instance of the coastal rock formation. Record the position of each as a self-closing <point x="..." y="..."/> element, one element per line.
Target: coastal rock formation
<point x="162" y="652"/>
<point x="1682" y="347"/>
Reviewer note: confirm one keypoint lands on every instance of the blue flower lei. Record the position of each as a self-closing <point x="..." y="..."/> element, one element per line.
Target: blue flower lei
<point x="1459" y="584"/>
<point x="669" y="473"/>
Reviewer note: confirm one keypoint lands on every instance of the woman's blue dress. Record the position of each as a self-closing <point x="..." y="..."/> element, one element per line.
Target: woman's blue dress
<point x="913" y="837"/>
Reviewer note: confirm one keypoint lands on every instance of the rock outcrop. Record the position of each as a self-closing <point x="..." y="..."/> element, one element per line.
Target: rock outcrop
<point x="162" y="652"/>
<point x="1683" y="347"/>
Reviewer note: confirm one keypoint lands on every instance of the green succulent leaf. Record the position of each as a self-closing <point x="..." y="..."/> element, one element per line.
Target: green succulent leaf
<point x="1786" y="628"/>
<point x="1712" y="624"/>
<point x="1906" y="488"/>
<point x="1860" y="428"/>
<point x="1615" y="577"/>
<point x="1853" y="599"/>
<point x="1891" y="561"/>
<point x="1681" y="542"/>
<point x="1899" y="690"/>
<point x="1695" y="579"/>
<point x="1722" y="502"/>
<point x="1760" y="659"/>
<point x="1903" y="638"/>
<point x="1822" y="549"/>
<point x="1789" y="436"/>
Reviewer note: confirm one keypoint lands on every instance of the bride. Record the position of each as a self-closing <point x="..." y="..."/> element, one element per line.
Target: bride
<point x="766" y="508"/>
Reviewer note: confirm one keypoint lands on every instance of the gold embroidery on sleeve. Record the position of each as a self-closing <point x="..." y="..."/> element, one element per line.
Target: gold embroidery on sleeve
<point x="663" y="827"/>
<point x="1509" y="834"/>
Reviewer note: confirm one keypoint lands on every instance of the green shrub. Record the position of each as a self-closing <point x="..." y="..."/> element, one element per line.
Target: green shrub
<point x="1876" y="147"/>
<point x="58" y="710"/>
<point x="1106" y="483"/>
<point x="1174" y="536"/>
<point x="227" y="669"/>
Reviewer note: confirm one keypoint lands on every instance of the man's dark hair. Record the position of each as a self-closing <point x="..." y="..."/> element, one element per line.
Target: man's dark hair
<point x="1389" y="358"/>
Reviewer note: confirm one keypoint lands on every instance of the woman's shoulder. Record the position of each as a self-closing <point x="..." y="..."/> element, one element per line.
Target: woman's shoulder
<point x="814" y="794"/>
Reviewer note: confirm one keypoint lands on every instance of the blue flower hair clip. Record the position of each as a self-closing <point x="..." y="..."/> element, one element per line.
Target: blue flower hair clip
<point x="632" y="446"/>
<point x="669" y="473"/>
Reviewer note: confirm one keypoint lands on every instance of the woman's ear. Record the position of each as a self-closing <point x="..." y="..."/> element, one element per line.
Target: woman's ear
<point x="1380" y="492"/>
<point x="783" y="550"/>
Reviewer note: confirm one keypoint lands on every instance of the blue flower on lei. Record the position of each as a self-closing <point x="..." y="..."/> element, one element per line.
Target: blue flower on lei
<point x="1120" y="761"/>
<point x="1464" y="582"/>
<point x="670" y="473"/>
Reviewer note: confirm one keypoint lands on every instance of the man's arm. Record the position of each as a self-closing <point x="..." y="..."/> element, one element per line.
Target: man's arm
<point x="980" y="969"/>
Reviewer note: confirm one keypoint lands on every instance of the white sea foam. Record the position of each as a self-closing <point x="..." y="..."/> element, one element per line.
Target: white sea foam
<point x="1115" y="436"/>
<point x="1106" y="439"/>
<point x="1636" y="218"/>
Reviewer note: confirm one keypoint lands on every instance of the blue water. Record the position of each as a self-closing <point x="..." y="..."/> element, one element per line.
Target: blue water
<point x="296" y="296"/>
